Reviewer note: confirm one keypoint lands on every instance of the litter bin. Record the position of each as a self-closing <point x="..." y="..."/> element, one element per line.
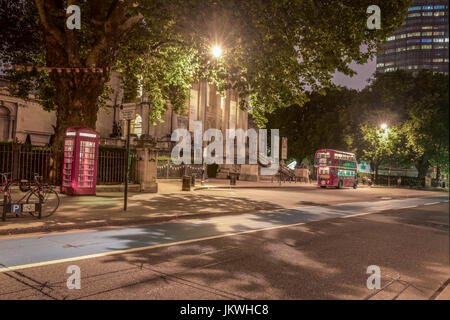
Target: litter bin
<point x="233" y="178"/>
<point x="186" y="183"/>
<point x="193" y="180"/>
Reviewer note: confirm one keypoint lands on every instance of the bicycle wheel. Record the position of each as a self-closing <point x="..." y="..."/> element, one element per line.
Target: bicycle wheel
<point x="50" y="201"/>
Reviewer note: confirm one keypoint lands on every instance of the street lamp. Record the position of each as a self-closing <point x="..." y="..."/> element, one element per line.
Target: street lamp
<point x="216" y="51"/>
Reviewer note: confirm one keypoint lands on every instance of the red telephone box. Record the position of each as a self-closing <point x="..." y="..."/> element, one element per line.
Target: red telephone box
<point x="79" y="175"/>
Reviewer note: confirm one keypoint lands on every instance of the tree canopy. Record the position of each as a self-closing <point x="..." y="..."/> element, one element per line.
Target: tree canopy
<point x="413" y="106"/>
<point x="273" y="50"/>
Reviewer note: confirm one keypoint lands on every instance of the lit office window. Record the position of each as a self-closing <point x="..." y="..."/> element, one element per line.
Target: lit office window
<point x="427" y="7"/>
<point x="427" y="46"/>
<point x="390" y="38"/>
<point x="413" y="34"/>
<point x="414" y="8"/>
<point x="439" y="13"/>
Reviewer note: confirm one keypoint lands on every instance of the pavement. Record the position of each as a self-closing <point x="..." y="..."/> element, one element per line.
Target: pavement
<point x="214" y="198"/>
<point x="313" y="252"/>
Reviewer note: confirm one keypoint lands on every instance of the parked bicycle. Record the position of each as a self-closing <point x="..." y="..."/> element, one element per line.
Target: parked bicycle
<point x="35" y="191"/>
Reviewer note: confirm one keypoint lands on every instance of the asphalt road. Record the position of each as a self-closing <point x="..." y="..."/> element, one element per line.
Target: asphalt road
<point x="306" y="253"/>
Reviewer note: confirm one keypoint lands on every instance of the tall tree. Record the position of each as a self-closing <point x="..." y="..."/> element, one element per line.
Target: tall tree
<point x="382" y="146"/>
<point x="416" y="105"/>
<point x="273" y="49"/>
<point x="427" y="129"/>
<point x="322" y="122"/>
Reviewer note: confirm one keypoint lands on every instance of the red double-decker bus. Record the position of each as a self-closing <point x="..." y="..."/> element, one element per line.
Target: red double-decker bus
<point x="336" y="168"/>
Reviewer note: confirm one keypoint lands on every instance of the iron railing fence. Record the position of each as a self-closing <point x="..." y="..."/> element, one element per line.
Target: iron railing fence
<point x="23" y="161"/>
<point x="111" y="165"/>
<point x="168" y="170"/>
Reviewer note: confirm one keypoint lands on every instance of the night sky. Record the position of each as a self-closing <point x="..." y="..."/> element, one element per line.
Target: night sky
<point x="358" y="81"/>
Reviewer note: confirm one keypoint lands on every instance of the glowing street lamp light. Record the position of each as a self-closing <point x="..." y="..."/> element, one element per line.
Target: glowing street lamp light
<point x="216" y="51"/>
<point x="384" y="126"/>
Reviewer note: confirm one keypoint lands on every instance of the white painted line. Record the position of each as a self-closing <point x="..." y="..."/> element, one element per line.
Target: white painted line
<point x="409" y="207"/>
<point x="430" y="203"/>
<point x="103" y="254"/>
<point x="361" y="214"/>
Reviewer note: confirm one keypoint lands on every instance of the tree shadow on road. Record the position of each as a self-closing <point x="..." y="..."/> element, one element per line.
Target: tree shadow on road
<point x="319" y="260"/>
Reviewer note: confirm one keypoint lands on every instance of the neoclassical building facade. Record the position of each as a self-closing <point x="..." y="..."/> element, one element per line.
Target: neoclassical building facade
<point x="23" y="121"/>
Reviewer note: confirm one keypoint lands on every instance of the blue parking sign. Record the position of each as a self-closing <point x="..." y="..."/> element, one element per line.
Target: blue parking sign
<point x="15" y="208"/>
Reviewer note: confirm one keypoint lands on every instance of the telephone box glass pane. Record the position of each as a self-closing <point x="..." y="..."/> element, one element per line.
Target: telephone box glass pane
<point x="68" y="159"/>
<point x="86" y="165"/>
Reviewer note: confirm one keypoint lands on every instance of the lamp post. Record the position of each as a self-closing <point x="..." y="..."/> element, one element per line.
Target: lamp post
<point x="216" y="52"/>
<point x="145" y="107"/>
<point x="383" y="127"/>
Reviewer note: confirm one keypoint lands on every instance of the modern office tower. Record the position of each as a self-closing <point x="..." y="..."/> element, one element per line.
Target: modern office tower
<point x="421" y="42"/>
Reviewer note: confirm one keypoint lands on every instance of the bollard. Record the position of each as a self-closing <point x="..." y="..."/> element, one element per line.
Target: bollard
<point x="233" y="179"/>
<point x="186" y="186"/>
<point x="193" y="180"/>
<point x="40" y="208"/>
<point x="4" y="207"/>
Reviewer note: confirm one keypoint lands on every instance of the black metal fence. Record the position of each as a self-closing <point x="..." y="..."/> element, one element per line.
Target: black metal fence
<point x="168" y="170"/>
<point x="23" y="161"/>
<point x="111" y="165"/>
<point x="402" y="181"/>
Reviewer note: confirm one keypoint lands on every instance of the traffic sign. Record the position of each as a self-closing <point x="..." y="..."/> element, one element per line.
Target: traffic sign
<point x="284" y="148"/>
<point x="127" y="113"/>
<point x="15" y="208"/>
<point x="29" y="207"/>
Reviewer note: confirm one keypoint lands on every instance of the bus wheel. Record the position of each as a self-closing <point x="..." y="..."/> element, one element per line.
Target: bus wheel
<point x="340" y="184"/>
<point x="323" y="187"/>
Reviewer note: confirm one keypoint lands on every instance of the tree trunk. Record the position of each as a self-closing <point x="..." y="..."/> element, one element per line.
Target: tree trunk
<point x="76" y="98"/>
<point x="422" y="164"/>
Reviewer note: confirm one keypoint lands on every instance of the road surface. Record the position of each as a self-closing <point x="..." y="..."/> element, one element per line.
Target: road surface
<point x="317" y="252"/>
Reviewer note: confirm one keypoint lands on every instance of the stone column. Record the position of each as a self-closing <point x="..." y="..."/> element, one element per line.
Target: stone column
<point x="147" y="168"/>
